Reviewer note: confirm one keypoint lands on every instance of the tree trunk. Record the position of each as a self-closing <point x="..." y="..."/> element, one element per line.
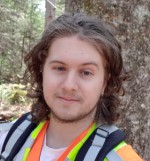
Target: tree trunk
<point x="132" y="20"/>
<point x="50" y="11"/>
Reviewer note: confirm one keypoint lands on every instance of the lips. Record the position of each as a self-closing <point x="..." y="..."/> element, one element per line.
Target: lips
<point x="68" y="99"/>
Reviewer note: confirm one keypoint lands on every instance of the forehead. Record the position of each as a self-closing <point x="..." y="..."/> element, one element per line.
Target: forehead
<point x="73" y="47"/>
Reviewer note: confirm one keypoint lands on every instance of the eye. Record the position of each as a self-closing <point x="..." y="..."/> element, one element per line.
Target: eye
<point x="59" y="68"/>
<point x="87" y="73"/>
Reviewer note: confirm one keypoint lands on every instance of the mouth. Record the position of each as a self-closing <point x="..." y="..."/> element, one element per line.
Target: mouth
<point x="68" y="99"/>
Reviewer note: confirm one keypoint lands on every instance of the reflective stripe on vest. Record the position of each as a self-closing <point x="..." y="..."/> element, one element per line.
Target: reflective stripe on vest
<point x="37" y="146"/>
<point x="25" y="150"/>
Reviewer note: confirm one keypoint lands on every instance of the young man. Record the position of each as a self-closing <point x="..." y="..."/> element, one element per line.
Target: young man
<point x="76" y="75"/>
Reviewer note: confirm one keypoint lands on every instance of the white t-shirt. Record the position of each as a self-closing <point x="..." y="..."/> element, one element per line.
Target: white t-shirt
<point x="50" y="154"/>
<point x="47" y="154"/>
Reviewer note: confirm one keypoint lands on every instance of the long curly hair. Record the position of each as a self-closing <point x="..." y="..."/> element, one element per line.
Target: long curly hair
<point x="98" y="34"/>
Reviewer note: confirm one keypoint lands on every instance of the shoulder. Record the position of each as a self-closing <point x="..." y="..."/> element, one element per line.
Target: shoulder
<point x="122" y="150"/>
<point x="4" y="129"/>
<point x="2" y="138"/>
<point x="126" y="152"/>
<point x="5" y="126"/>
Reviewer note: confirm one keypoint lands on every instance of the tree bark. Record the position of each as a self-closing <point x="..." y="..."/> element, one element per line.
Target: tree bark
<point x="132" y="20"/>
<point x="50" y="11"/>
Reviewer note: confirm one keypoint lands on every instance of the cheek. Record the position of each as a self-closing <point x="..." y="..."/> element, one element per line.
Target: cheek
<point x="97" y="90"/>
<point x="47" y="84"/>
<point x="93" y="92"/>
<point x="98" y="85"/>
<point x="50" y="83"/>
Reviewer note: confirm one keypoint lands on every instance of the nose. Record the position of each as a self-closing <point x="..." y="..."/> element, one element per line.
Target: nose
<point x="70" y="82"/>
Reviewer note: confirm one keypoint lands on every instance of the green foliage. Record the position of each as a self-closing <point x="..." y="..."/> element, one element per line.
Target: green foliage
<point x="21" y="26"/>
<point x="13" y="94"/>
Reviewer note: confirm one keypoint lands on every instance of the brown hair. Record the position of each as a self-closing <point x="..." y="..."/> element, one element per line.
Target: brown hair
<point x="93" y="31"/>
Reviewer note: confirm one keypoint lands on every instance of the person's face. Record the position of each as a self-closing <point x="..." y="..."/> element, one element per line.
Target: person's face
<point x="73" y="79"/>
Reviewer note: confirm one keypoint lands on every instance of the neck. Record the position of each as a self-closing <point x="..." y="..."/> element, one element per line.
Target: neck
<point x="61" y="134"/>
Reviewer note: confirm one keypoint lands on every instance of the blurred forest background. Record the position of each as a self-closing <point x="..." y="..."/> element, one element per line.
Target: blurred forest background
<point x="21" y="25"/>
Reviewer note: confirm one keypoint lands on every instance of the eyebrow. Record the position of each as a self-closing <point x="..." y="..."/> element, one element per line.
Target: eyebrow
<point x="56" y="61"/>
<point x="91" y="63"/>
<point x="84" y="64"/>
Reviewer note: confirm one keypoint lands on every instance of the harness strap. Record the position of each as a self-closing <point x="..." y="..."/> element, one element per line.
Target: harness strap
<point x="14" y="138"/>
<point x="112" y="155"/>
<point x="102" y="133"/>
<point x="13" y="128"/>
<point x="5" y="126"/>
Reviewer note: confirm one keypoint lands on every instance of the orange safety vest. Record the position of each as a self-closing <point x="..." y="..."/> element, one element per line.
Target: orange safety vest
<point x="126" y="152"/>
<point x="37" y="146"/>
